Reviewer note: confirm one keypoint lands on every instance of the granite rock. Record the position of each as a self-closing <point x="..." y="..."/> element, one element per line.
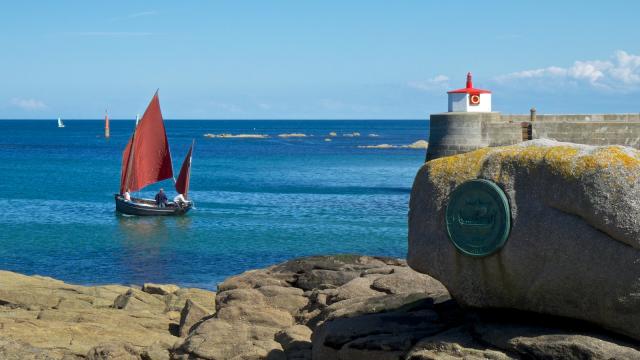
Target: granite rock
<point x="374" y="336"/>
<point x="270" y="313"/>
<point x="116" y="351"/>
<point x="190" y="315"/>
<point x="258" y="319"/>
<point x="295" y="342"/>
<point x="574" y="245"/>
<point x="533" y="339"/>
<point x="160" y="289"/>
<point x="45" y="318"/>
<point x="177" y="300"/>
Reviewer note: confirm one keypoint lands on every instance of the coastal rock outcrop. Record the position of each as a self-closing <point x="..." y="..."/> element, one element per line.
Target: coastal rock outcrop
<point x="357" y="307"/>
<point x="574" y="243"/>
<point x="325" y="307"/>
<point x="44" y="318"/>
<point x="270" y="313"/>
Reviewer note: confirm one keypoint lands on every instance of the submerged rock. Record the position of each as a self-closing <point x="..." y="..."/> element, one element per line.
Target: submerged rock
<point x="237" y="136"/>
<point x="420" y="144"/>
<point x="574" y="244"/>
<point x="379" y="146"/>
<point x="292" y="135"/>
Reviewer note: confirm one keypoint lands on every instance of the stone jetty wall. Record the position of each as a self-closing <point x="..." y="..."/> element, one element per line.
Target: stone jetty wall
<point x="455" y="133"/>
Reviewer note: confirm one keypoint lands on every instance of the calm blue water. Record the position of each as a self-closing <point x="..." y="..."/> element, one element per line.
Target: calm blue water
<point x="259" y="201"/>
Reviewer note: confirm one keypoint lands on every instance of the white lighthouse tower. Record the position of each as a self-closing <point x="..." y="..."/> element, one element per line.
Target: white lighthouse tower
<point x="469" y="99"/>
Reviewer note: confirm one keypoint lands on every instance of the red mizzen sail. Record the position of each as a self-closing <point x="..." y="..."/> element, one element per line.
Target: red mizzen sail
<point x="106" y="124"/>
<point x="146" y="159"/>
<point x="182" y="184"/>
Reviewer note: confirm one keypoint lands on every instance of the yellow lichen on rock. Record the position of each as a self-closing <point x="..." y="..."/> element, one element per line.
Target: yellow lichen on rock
<point x="567" y="160"/>
<point x="610" y="156"/>
<point x="458" y="168"/>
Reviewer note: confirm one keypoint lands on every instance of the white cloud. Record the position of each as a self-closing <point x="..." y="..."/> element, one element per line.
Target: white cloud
<point x="224" y="107"/>
<point x="28" y="104"/>
<point x="111" y="33"/>
<point x="342" y="106"/>
<point x="620" y="73"/>
<point x="141" y="14"/>
<point x="135" y="15"/>
<point x="438" y="82"/>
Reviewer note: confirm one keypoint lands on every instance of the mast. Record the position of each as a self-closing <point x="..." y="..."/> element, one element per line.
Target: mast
<point x="125" y="186"/>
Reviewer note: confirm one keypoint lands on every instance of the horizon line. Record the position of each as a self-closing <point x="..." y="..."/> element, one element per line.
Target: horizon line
<point x="219" y="119"/>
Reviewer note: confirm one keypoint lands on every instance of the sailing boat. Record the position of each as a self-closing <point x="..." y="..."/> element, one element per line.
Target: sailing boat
<point x="106" y="125"/>
<point x="60" y="123"/>
<point x="146" y="160"/>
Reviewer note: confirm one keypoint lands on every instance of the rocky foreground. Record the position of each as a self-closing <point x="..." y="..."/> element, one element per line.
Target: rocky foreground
<point x="331" y="307"/>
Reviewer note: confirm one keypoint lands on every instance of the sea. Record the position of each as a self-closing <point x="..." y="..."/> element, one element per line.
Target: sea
<point x="258" y="202"/>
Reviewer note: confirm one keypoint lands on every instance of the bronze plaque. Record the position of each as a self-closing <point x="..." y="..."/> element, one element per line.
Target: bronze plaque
<point x="478" y="218"/>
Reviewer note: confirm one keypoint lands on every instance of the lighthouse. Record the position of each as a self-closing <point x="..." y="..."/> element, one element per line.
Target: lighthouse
<point x="469" y="99"/>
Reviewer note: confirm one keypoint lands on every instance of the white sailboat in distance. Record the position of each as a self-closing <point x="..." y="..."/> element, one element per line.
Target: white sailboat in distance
<point x="60" y="123"/>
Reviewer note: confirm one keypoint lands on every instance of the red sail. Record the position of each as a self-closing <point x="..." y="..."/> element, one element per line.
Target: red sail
<point x="182" y="184"/>
<point x="106" y="124"/>
<point x="146" y="159"/>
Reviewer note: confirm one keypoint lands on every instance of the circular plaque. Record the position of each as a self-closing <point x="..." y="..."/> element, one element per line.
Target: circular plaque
<point x="478" y="218"/>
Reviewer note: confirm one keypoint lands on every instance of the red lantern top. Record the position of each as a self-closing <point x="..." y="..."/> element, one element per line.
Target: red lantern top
<point x="469" y="89"/>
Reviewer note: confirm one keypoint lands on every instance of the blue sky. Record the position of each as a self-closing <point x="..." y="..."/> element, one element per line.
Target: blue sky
<point x="314" y="59"/>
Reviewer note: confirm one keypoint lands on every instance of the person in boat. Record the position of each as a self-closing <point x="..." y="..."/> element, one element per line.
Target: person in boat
<point x="127" y="195"/>
<point x="161" y="198"/>
<point x="180" y="200"/>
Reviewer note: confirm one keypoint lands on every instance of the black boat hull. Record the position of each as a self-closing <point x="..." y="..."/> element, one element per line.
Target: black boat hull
<point x="145" y="207"/>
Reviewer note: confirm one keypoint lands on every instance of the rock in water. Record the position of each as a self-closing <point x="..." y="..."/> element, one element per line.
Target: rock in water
<point x="574" y="243"/>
